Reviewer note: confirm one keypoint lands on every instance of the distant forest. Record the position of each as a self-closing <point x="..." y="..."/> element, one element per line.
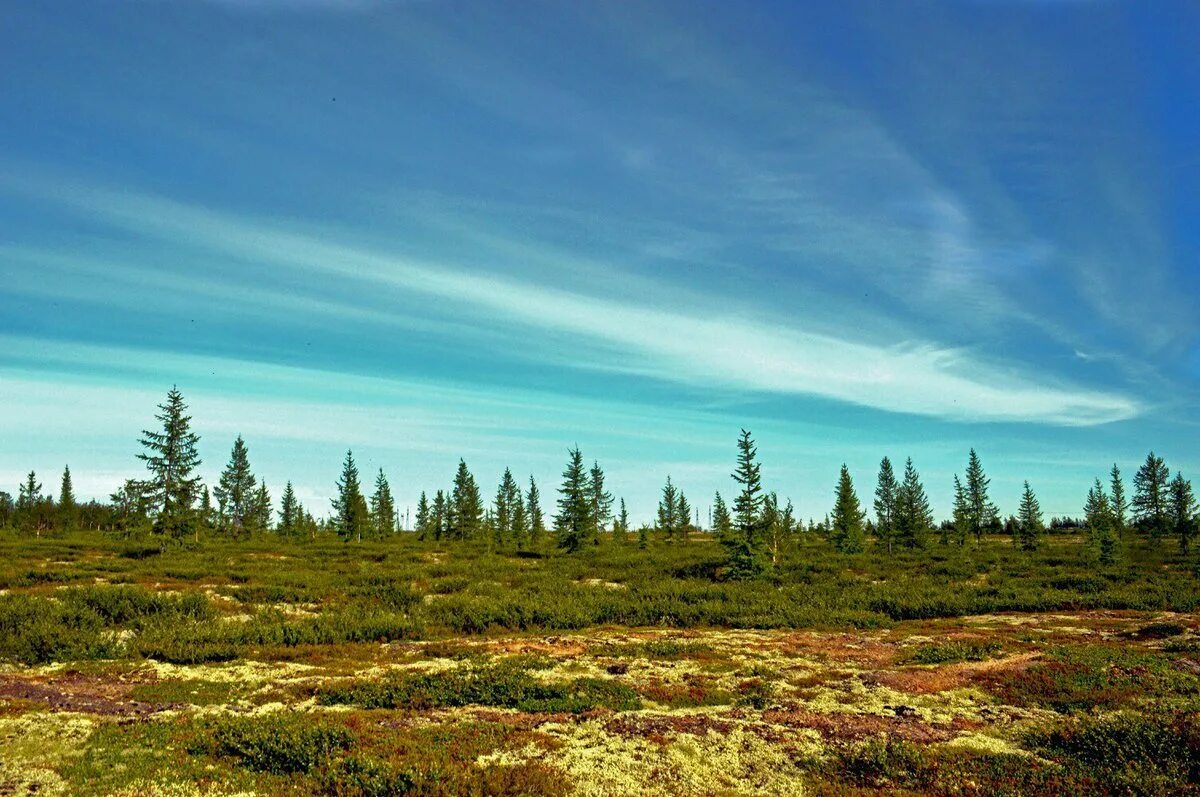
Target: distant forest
<point x="170" y="504"/>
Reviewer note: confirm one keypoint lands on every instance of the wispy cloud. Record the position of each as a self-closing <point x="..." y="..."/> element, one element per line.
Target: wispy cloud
<point x="701" y="344"/>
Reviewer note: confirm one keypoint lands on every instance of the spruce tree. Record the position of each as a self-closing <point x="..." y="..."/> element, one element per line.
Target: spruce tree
<point x="289" y="513"/>
<point x="1120" y="504"/>
<point x="533" y="508"/>
<point x="745" y="544"/>
<point x="885" y="504"/>
<point x="383" y="508"/>
<point x="601" y="501"/>
<point x="440" y="518"/>
<point x="466" y="505"/>
<point x="668" y="510"/>
<point x="574" y="522"/>
<point x="683" y="516"/>
<point x="29" y="499"/>
<point x="1182" y="511"/>
<point x="235" y="491"/>
<point x="208" y="513"/>
<point x="1151" y="497"/>
<point x="847" y="533"/>
<point x="721" y="521"/>
<point x="505" y="510"/>
<point x="962" y="512"/>
<point x="520" y="518"/>
<point x="170" y="456"/>
<point x="67" y="509"/>
<point x="983" y="513"/>
<point x="1099" y="520"/>
<point x="423" y="518"/>
<point x="351" y="517"/>
<point x="1029" y="520"/>
<point x="261" y="509"/>
<point x="621" y="528"/>
<point x="913" y="519"/>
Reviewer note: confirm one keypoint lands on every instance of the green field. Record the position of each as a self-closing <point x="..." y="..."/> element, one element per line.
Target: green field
<point x="409" y="667"/>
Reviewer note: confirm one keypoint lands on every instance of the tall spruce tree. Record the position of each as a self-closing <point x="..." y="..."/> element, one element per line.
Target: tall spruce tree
<point x="683" y="517"/>
<point x="29" y="499"/>
<point x="1151" y="496"/>
<point x="383" y="508"/>
<point x="962" y="512"/>
<point x="574" y="521"/>
<point x="67" y="509"/>
<point x="1183" y="511"/>
<point x="668" y="510"/>
<point x="507" y="510"/>
<point x="885" y="504"/>
<point x="745" y="545"/>
<point x="1120" y="503"/>
<point x="722" y="523"/>
<point x="1098" y="518"/>
<point x="847" y="532"/>
<point x="533" y="508"/>
<point x="261" y="512"/>
<point x="913" y="515"/>
<point x="351" y="518"/>
<point x="466" y="505"/>
<point x="170" y="455"/>
<point x="290" y="516"/>
<point x="983" y="513"/>
<point x="601" y="501"/>
<point x="208" y="513"/>
<point x="235" y="491"/>
<point x="621" y="527"/>
<point x="423" y="517"/>
<point x="440" y="517"/>
<point x="1029" y="520"/>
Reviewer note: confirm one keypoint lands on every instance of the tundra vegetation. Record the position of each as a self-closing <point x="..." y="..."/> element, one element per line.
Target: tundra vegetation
<point x="181" y="640"/>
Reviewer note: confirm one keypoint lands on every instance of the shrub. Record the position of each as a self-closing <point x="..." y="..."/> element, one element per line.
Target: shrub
<point x="960" y="650"/>
<point x="280" y="745"/>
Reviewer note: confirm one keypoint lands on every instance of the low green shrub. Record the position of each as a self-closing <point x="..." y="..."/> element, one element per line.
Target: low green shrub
<point x="278" y="744"/>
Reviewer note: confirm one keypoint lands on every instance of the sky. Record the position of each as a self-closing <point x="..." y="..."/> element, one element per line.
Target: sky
<point x="433" y="229"/>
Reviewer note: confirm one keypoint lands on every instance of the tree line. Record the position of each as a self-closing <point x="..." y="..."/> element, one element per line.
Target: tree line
<point x="171" y="503"/>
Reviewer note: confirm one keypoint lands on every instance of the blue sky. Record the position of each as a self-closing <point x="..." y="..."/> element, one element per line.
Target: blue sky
<point x="435" y="229"/>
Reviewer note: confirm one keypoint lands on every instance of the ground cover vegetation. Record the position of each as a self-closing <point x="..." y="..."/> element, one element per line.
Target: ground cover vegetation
<point x="179" y="639"/>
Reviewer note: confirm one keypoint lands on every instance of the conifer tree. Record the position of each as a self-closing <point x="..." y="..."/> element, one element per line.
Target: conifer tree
<point x="683" y="517"/>
<point x="170" y="456"/>
<point x="29" y="499"/>
<point x="601" y="501"/>
<point x="621" y="527"/>
<point x="466" y="505"/>
<point x="643" y="537"/>
<point x="1120" y="504"/>
<point x="260" y="515"/>
<point x="67" y="509"/>
<point x="508" y="510"/>
<point x="913" y="519"/>
<point x="439" y="520"/>
<point x="1029" y="520"/>
<point x="668" y="510"/>
<point x="847" y="532"/>
<point x="962" y="512"/>
<point x="885" y="504"/>
<point x="208" y="513"/>
<point x="721" y="521"/>
<point x="983" y="513"/>
<point x="533" y="508"/>
<point x="290" y="515"/>
<point x="745" y="544"/>
<point x="351" y="517"/>
<point x="383" y="508"/>
<point x="771" y="526"/>
<point x="574" y="521"/>
<point x="235" y="491"/>
<point x="1099" y="519"/>
<point x="1151" y="497"/>
<point x="1182" y="511"/>
<point x="423" y="518"/>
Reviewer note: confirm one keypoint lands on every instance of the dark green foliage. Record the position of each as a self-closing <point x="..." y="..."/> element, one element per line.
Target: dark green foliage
<point x="1120" y="504"/>
<point x="745" y="544"/>
<point x="67" y="510"/>
<point x="847" y="531"/>
<point x="383" y="508"/>
<point x="960" y="650"/>
<point x="601" y="501"/>
<point x="1182" y="508"/>
<point x="913" y="515"/>
<point x="533" y="508"/>
<point x="981" y="513"/>
<point x="505" y="685"/>
<point x="1151" y="497"/>
<point x="668" y="511"/>
<point x="290" y="513"/>
<point x="280" y="745"/>
<point x="465" y="509"/>
<point x="574" y="523"/>
<point x="722" y="523"/>
<point x="1029" y="521"/>
<point x="885" y="504"/>
<point x="351" y="516"/>
<point x="235" y="492"/>
<point x="170" y="455"/>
